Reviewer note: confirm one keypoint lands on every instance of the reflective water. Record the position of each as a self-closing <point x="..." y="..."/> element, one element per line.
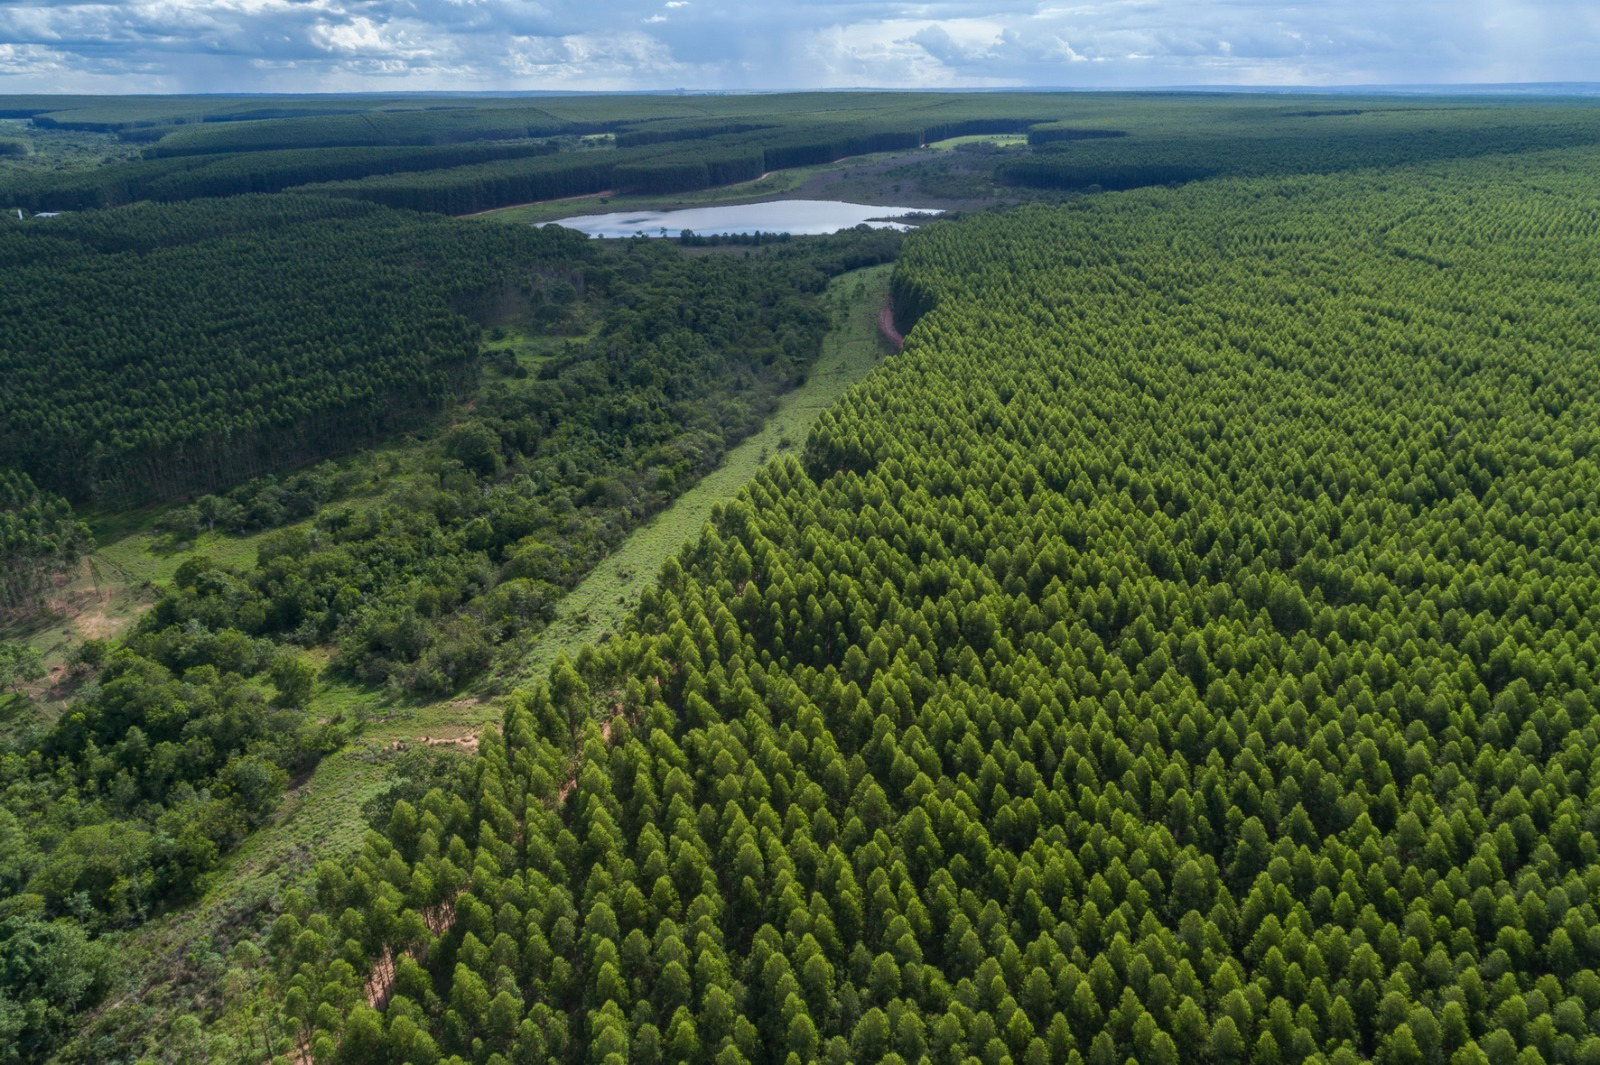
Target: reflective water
<point x="800" y="217"/>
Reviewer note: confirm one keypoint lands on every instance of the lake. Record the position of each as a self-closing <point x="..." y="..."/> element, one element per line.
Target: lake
<point x="799" y="217"/>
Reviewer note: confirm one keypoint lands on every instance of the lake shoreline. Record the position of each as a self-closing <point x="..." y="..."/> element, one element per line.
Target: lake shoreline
<point x="794" y="217"/>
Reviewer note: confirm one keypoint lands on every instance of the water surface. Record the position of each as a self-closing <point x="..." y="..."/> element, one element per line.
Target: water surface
<point x="799" y="217"/>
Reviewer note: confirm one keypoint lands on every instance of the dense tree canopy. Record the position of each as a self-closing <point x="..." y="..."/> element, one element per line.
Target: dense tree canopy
<point x="1184" y="651"/>
<point x="47" y="972"/>
<point x="157" y="352"/>
<point x="185" y="177"/>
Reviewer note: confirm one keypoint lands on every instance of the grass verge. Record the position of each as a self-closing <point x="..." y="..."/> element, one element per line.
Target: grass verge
<point x="999" y="140"/>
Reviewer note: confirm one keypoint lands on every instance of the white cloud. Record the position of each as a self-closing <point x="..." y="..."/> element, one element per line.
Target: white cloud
<point x="232" y="45"/>
<point x="599" y="62"/>
<point x="30" y="59"/>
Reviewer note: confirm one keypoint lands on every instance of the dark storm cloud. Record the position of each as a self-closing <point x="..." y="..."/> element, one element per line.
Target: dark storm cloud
<point x="156" y="45"/>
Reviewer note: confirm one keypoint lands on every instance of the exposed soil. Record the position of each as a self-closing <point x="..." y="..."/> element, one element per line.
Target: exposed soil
<point x="467" y="742"/>
<point x="886" y="327"/>
<point x="462" y="740"/>
<point x="380" y="981"/>
<point x="94" y="621"/>
<point x="84" y="600"/>
<point x="80" y="608"/>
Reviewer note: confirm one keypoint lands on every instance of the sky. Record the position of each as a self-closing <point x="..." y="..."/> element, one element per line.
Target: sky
<point x="117" y="46"/>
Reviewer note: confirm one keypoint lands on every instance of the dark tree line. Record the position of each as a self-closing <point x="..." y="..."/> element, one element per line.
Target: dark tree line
<point x="188" y="177"/>
<point x="678" y="166"/>
<point x="447" y="126"/>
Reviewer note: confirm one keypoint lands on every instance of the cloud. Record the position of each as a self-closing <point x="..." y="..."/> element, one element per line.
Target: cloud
<point x="306" y="45"/>
<point x="30" y="59"/>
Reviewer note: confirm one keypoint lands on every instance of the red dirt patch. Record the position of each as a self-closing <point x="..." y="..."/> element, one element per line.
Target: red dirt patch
<point x="886" y="327"/>
<point x="81" y="602"/>
<point x="380" y="981"/>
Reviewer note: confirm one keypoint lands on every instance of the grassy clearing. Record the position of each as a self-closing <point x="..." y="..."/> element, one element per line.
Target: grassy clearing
<point x="321" y="814"/>
<point x="999" y="140"/>
<point x="527" y="351"/>
<point x="97" y="604"/>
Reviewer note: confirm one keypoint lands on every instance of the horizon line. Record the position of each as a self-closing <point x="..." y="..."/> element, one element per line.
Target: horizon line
<point x="1382" y="88"/>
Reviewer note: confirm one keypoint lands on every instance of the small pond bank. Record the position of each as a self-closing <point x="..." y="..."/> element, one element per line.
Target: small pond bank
<point x="796" y="217"/>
